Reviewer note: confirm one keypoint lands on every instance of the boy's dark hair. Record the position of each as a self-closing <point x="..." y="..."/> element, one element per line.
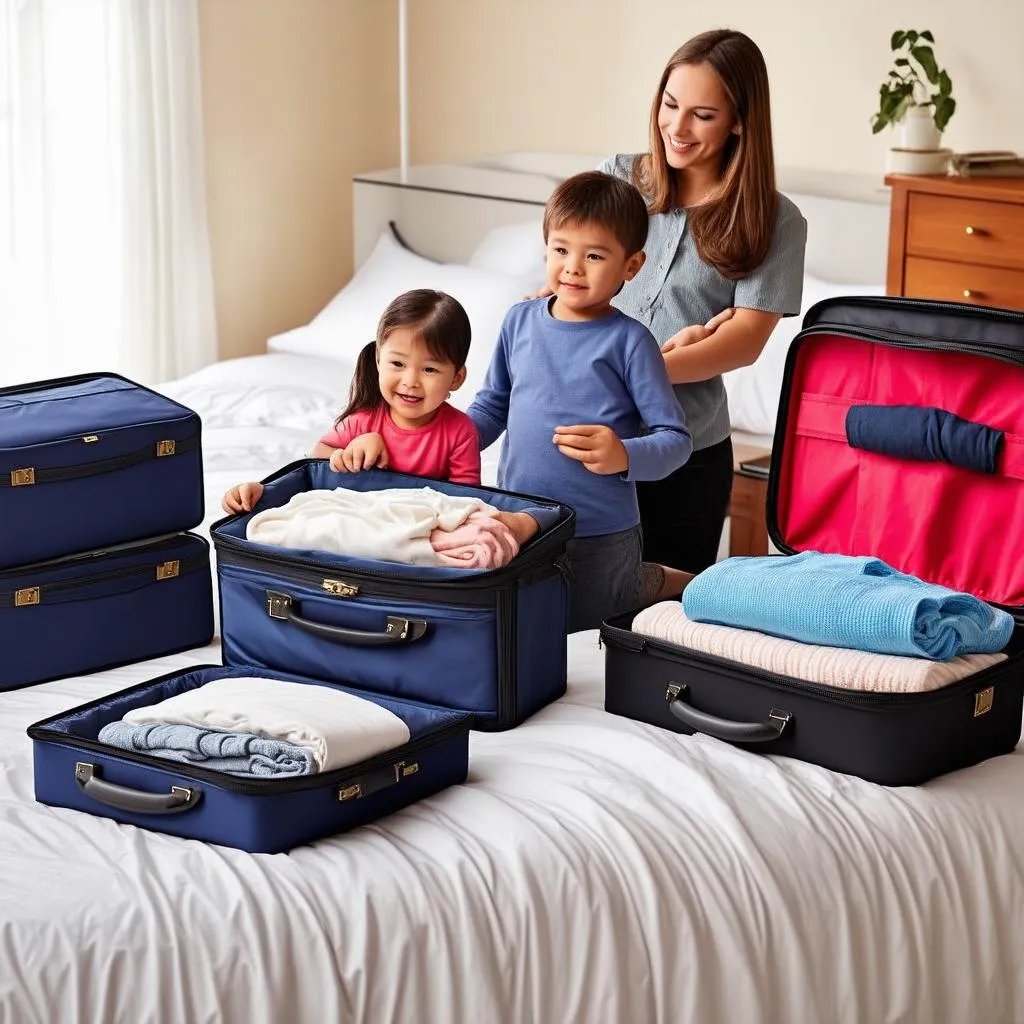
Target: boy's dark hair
<point x="598" y="198"/>
<point x="438" y="318"/>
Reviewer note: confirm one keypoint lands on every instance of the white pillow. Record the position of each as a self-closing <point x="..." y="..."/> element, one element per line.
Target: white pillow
<point x="513" y="249"/>
<point x="754" y="390"/>
<point x="349" y="320"/>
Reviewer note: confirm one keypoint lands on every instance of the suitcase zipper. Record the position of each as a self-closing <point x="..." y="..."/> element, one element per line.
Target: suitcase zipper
<point x="33" y="595"/>
<point x="27" y="476"/>
<point x="42" y="732"/>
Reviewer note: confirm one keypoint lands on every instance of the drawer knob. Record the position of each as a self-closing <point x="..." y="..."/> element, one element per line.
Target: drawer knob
<point x="969" y="229"/>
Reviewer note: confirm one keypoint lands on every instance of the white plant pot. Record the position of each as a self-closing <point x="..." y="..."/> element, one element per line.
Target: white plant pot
<point x="918" y="131"/>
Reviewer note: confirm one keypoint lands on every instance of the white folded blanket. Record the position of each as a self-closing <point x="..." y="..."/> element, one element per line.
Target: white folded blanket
<point x="339" y="728"/>
<point x="393" y="524"/>
<point x="832" y="666"/>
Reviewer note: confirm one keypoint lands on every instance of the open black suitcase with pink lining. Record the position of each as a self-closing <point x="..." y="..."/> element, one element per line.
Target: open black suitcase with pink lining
<point x="959" y="527"/>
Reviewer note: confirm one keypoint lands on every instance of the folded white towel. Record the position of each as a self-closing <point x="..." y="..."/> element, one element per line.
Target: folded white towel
<point x="832" y="666"/>
<point x="339" y="728"/>
<point x="393" y="524"/>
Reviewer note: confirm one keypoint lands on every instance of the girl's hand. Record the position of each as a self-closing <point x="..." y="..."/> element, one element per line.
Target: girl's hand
<point x="242" y="498"/>
<point x="697" y="332"/>
<point x="597" y="447"/>
<point x="367" y="451"/>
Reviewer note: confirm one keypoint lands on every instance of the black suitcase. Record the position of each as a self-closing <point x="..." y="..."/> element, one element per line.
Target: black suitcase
<point x="946" y="524"/>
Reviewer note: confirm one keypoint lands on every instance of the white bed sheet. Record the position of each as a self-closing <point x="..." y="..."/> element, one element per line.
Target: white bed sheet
<point x="592" y="869"/>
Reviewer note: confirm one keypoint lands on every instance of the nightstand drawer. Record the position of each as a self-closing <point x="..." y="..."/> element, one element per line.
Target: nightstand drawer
<point x="972" y="230"/>
<point x="964" y="282"/>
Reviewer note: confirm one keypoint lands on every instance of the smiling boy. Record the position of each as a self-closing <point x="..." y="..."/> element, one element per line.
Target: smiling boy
<point x="582" y="393"/>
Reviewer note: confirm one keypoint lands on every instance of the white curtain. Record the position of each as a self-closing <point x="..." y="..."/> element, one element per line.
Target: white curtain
<point x="104" y="250"/>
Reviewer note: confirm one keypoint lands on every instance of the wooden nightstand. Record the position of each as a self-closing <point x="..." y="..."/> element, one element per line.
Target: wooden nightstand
<point x="960" y="239"/>
<point x="748" y="529"/>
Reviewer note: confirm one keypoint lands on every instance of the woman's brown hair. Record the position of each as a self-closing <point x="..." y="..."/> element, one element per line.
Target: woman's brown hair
<point x="440" y="321"/>
<point x="733" y="229"/>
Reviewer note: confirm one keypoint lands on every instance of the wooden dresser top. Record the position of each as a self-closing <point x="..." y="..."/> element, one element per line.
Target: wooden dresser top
<point x="1007" y="190"/>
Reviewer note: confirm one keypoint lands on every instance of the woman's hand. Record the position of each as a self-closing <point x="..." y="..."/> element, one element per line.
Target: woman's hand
<point x="697" y="332"/>
<point x="367" y="451"/>
<point x="242" y="498"/>
<point x="538" y="295"/>
<point x="598" y="447"/>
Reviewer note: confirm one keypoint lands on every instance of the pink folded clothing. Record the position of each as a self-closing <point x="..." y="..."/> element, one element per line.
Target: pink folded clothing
<point x="481" y="542"/>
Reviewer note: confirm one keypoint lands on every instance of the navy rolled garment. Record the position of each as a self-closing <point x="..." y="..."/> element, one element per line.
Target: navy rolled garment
<point x="923" y="433"/>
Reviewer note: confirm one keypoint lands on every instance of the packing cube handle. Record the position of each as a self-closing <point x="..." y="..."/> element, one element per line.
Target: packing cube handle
<point x="180" y="798"/>
<point x="724" y="728"/>
<point x="399" y="630"/>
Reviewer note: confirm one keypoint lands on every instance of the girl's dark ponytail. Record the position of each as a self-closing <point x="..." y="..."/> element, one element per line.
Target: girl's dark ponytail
<point x="365" y="390"/>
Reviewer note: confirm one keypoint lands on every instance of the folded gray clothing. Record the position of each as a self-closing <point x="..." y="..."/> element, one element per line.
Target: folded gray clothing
<point x="237" y="753"/>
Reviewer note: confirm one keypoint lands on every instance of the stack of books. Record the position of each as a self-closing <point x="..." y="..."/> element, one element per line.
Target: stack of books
<point x="991" y="163"/>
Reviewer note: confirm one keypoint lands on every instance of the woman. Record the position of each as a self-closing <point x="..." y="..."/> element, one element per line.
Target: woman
<point x="725" y="255"/>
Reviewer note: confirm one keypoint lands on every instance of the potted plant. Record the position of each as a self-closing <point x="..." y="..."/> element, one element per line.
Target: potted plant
<point x="917" y="94"/>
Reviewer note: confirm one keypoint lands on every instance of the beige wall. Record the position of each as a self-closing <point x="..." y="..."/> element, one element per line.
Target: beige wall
<point x="578" y="76"/>
<point x="298" y="95"/>
<point x="301" y="94"/>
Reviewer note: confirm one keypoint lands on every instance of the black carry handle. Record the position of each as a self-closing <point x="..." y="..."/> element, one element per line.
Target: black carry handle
<point x="723" y="728"/>
<point x="399" y="630"/>
<point x="180" y="798"/>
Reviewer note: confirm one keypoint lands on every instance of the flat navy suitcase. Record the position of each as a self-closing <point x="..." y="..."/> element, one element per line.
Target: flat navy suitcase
<point x="98" y="609"/>
<point x="260" y="815"/>
<point x="492" y="643"/>
<point x="93" y="460"/>
<point x="942" y="522"/>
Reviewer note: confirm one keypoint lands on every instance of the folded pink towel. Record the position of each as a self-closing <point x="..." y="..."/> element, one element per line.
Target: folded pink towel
<point x="481" y="542"/>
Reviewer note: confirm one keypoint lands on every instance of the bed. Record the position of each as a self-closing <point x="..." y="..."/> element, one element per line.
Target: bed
<point x="592" y="869"/>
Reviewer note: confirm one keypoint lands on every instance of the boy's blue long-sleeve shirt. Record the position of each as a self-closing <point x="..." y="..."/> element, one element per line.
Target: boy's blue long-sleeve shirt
<point x="547" y="373"/>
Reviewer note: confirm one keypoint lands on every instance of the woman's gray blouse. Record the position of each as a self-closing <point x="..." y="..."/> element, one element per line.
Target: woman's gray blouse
<point x="676" y="288"/>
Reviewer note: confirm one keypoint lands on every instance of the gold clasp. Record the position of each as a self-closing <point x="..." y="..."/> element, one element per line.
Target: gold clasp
<point x="167" y="570"/>
<point x="91" y="438"/>
<point x="350" y="792"/>
<point x="164" y="448"/>
<point x="23" y="477"/>
<point x="339" y="588"/>
<point x="25" y="596"/>
<point x="983" y="700"/>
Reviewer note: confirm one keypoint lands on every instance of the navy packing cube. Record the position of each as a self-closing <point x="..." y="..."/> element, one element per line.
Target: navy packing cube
<point x="915" y="506"/>
<point x="98" y="609"/>
<point x="492" y="643"/>
<point x="92" y="460"/>
<point x="260" y="815"/>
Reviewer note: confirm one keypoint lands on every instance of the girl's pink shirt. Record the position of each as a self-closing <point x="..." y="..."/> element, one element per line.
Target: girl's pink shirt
<point x="448" y="448"/>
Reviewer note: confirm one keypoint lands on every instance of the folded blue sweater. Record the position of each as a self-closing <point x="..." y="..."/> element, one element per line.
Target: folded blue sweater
<point x="846" y="601"/>
<point x="238" y="753"/>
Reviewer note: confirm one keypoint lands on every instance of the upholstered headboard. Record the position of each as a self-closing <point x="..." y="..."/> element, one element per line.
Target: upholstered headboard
<point x="443" y="210"/>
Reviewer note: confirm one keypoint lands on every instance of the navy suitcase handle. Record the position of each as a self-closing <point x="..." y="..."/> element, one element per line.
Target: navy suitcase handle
<point x="724" y="728"/>
<point x="399" y="630"/>
<point x="180" y="798"/>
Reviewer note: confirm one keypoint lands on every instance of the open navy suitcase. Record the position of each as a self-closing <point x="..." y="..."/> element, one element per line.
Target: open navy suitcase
<point x="93" y="460"/>
<point x="491" y="643"/>
<point x="259" y="815"/>
<point x="943" y="523"/>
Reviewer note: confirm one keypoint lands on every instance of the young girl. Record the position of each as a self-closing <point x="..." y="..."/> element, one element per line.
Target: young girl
<point x="397" y="416"/>
<point x="725" y="255"/>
